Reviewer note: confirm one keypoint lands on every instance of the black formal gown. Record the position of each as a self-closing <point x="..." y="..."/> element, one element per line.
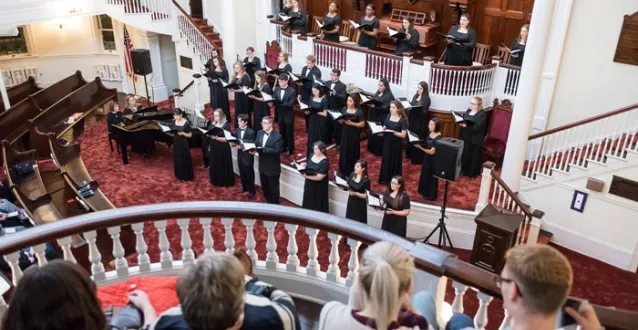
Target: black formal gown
<point x="408" y="44"/>
<point x="218" y="94"/>
<point x="242" y="104"/>
<point x="460" y="55"/>
<point x="317" y="124"/>
<point x="472" y="136"/>
<point x="517" y="60"/>
<point x="337" y="23"/>
<point x="299" y="23"/>
<point x="221" y="161"/>
<point x="428" y="184"/>
<point x="393" y="223"/>
<point x="365" y="40"/>
<point x="392" y="158"/>
<point x="261" y="109"/>
<point x="350" y="149"/>
<point x="182" y="162"/>
<point x="315" y="193"/>
<point x="357" y="208"/>
<point x="249" y="69"/>
<point x="286" y="68"/>
<point x="375" y="142"/>
<point x="418" y="124"/>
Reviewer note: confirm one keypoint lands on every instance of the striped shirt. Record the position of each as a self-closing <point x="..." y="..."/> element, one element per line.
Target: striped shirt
<point x="265" y="308"/>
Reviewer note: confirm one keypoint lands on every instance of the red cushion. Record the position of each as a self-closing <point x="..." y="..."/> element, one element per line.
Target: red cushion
<point x="160" y="290"/>
<point x="494" y="146"/>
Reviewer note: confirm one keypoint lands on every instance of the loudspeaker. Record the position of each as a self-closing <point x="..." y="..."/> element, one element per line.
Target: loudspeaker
<point x="447" y="159"/>
<point x="141" y="59"/>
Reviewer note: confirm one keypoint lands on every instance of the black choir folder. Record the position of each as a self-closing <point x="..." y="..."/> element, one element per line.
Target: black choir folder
<point x="286" y="18"/>
<point x="378" y="129"/>
<point x="406" y="104"/>
<point x="448" y="36"/>
<point x="327" y="27"/>
<point x="216" y="131"/>
<point x="305" y="107"/>
<point x="366" y="26"/>
<point x="368" y="100"/>
<point x="395" y="33"/>
<point x="258" y="93"/>
<point x="210" y="74"/>
<point x="413" y="138"/>
<point x="275" y="72"/>
<point x="249" y="146"/>
<point x="340" y="182"/>
<point x="461" y="119"/>
<point x="376" y="201"/>
<point x="337" y="115"/>
<point x="166" y="129"/>
<point x="230" y="86"/>
<point x="304" y="80"/>
<point x="301" y="168"/>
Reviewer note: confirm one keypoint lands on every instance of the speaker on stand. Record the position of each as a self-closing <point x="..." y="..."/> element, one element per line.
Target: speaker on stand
<point x="446" y="166"/>
<point x="142" y="65"/>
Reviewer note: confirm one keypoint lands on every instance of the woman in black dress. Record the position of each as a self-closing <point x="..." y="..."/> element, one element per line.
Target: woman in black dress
<point x="218" y="94"/>
<point x="331" y="17"/>
<point x="260" y="108"/>
<point x="392" y="158"/>
<point x="182" y="162"/>
<point x="395" y="219"/>
<point x="417" y="118"/>
<point x="350" y="149"/>
<point x="358" y="184"/>
<point x="411" y="41"/>
<point x="317" y="120"/>
<point x="209" y="63"/>
<point x="315" y="191"/>
<point x="383" y="95"/>
<point x="519" y="45"/>
<point x="286" y="7"/>
<point x="131" y="106"/>
<point x="241" y="78"/>
<point x="283" y="64"/>
<point x="428" y="184"/>
<point x="142" y="147"/>
<point x="252" y="63"/>
<point x="220" y="158"/>
<point x="299" y="21"/>
<point x="459" y="51"/>
<point x="367" y="38"/>
<point x="472" y="134"/>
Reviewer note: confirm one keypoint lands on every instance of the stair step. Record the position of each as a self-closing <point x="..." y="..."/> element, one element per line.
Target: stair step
<point x="200" y="21"/>
<point x="208" y="29"/>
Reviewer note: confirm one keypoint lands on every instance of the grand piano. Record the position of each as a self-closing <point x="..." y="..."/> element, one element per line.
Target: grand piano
<point x="427" y="29"/>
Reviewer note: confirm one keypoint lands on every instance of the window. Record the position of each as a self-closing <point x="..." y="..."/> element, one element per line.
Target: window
<point x="105" y="25"/>
<point x="14" y="45"/>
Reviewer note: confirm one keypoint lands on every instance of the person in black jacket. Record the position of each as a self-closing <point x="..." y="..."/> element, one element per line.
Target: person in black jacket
<point x="251" y="59"/>
<point x="245" y="160"/>
<point x="284" y="96"/>
<point x="472" y="134"/>
<point x="459" y="51"/>
<point x="518" y="45"/>
<point x="269" y="162"/>
<point x="411" y="41"/>
<point x="336" y="101"/>
<point x="310" y="71"/>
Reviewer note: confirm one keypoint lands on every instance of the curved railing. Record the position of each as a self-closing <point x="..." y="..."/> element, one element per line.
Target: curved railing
<point x="439" y="264"/>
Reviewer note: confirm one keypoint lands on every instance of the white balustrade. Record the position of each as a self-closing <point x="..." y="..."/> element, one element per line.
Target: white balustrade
<point x="208" y="236"/>
<point x="197" y="41"/>
<point x="506" y="81"/>
<point x="250" y="240"/>
<point x="480" y="319"/>
<point x="353" y="262"/>
<point x="330" y="56"/>
<point x="143" y="259"/>
<point x="312" y="268"/>
<point x="158" y="9"/>
<point x="378" y="67"/>
<point x="65" y="244"/>
<point x="333" y="273"/>
<point x="13" y="261"/>
<point x="121" y="265"/>
<point x="451" y="87"/>
<point x="229" y="240"/>
<point x="40" y="253"/>
<point x="95" y="257"/>
<point x="188" y="256"/>
<point x="286" y="43"/>
<point x="459" y="292"/>
<point x="272" y="259"/>
<point x="166" y="257"/>
<point x="292" y="263"/>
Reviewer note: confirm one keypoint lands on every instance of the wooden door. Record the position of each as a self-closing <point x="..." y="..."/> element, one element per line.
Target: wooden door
<point x="500" y="21"/>
<point x="197" y="10"/>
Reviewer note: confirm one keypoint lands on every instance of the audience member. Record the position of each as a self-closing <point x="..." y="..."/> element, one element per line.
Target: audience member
<point x="57" y="296"/>
<point x="215" y="294"/>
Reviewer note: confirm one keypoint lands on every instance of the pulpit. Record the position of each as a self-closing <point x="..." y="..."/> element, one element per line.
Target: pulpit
<point x="496" y="232"/>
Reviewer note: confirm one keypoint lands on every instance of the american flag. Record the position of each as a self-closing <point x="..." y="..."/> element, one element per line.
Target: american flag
<point x="128" y="44"/>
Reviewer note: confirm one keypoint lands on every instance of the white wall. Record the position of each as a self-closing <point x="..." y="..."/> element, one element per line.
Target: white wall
<point x="245" y="22"/>
<point x="58" y="53"/>
<point x="589" y="81"/>
<point x="169" y="62"/>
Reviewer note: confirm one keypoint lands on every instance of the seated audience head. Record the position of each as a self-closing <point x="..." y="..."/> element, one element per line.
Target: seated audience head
<point x="384" y="86"/>
<point x="370" y="10"/>
<point x="219" y="117"/>
<point x="353" y="101"/>
<point x="422" y="89"/>
<point x="283" y="57"/>
<point x="211" y="293"/>
<point x="57" y="296"/>
<point x="310" y="61"/>
<point x="178" y="114"/>
<point x="335" y="75"/>
<point x="317" y="91"/>
<point x="434" y="125"/>
<point x="283" y="80"/>
<point x="476" y="104"/>
<point x="266" y="123"/>
<point x="535" y="281"/>
<point x="319" y="148"/>
<point x="361" y="168"/>
<point x="464" y="20"/>
<point x="385" y="274"/>
<point x="396" y="108"/>
<point x="408" y="24"/>
<point x="242" y="119"/>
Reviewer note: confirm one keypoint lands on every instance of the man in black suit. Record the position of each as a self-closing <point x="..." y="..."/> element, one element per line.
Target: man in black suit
<point x="269" y="162"/>
<point x="285" y="97"/>
<point x="310" y="71"/>
<point x="336" y="100"/>
<point x="245" y="160"/>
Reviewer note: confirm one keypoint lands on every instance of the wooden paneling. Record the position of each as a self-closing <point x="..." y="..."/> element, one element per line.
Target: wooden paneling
<point x="627" y="48"/>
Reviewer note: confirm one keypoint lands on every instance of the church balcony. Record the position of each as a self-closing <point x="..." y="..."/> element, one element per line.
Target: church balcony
<point x="299" y="268"/>
<point x="451" y="87"/>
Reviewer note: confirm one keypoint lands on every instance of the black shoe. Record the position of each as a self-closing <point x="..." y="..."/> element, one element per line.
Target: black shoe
<point x="251" y="194"/>
<point x="205" y="167"/>
<point x="240" y="191"/>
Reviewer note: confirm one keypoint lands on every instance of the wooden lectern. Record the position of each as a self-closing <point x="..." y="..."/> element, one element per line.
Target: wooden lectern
<point x="496" y="232"/>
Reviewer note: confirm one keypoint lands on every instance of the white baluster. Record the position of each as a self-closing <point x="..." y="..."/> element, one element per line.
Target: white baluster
<point x="188" y="256"/>
<point x="166" y="257"/>
<point x="507" y="320"/>
<point x="229" y="240"/>
<point x="121" y="265"/>
<point x="250" y="240"/>
<point x="13" y="261"/>
<point x="334" y="273"/>
<point x="65" y="244"/>
<point x="40" y="253"/>
<point x="480" y="319"/>
<point x="143" y="259"/>
<point x="208" y="240"/>
<point x="95" y="257"/>
<point x="292" y="263"/>
<point x="459" y="292"/>
<point x="312" y="268"/>
<point x="272" y="259"/>
<point x="353" y="262"/>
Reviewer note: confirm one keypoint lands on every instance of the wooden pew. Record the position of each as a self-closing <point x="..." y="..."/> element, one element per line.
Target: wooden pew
<point x="20" y="92"/>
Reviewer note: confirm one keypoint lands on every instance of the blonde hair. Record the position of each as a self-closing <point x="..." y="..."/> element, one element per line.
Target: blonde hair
<point x="543" y="275"/>
<point x="520" y="38"/>
<point x="241" y="69"/>
<point x="222" y="117"/>
<point x="285" y="55"/>
<point x="478" y="100"/>
<point x="128" y="100"/>
<point x="385" y="274"/>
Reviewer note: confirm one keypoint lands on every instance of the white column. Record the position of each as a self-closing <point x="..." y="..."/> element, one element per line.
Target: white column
<point x="3" y="91"/>
<point x="160" y="92"/>
<point x="527" y="90"/>
<point x="229" y="34"/>
<point x="262" y="9"/>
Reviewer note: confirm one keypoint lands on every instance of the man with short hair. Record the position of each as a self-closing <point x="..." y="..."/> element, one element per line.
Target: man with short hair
<point x="284" y="96"/>
<point x="269" y="142"/>
<point x="245" y="161"/>
<point x="312" y="72"/>
<point x="336" y="101"/>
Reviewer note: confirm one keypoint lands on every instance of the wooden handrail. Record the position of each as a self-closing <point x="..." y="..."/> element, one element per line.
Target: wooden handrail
<point x="427" y="258"/>
<point x="189" y="85"/>
<point x="463" y="68"/>
<point x="511" y="194"/>
<point x="583" y="122"/>
<point x="192" y="21"/>
<point x="509" y="66"/>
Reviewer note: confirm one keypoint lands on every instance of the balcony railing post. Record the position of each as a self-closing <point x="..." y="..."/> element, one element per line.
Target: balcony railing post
<point x="198" y="99"/>
<point x="229" y="240"/>
<point x="480" y="319"/>
<point x="486" y="184"/>
<point x="405" y="74"/>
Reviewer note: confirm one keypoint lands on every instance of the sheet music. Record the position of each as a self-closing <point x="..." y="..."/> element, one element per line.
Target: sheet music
<point x="364" y="98"/>
<point x="375" y="128"/>
<point x="248" y="145"/>
<point x="229" y="136"/>
<point x="302" y="105"/>
<point x="164" y="127"/>
<point x="300" y="167"/>
<point x="319" y="23"/>
<point x="284" y="17"/>
<point x="224" y="84"/>
<point x="515" y="51"/>
<point x="266" y="97"/>
<point x="413" y="137"/>
<point x="335" y="114"/>
<point x="373" y="200"/>
<point x="294" y="77"/>
<point x="341" y="182"/>
<point x="406" y="104"/>
<point x="354" y="24"/>
<point x="198" y="113"/>
<point x="202" y="130"/>
<point x="246" y="89"/>
<point x="457" y="118"/>
<point x="391" y="31"/>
